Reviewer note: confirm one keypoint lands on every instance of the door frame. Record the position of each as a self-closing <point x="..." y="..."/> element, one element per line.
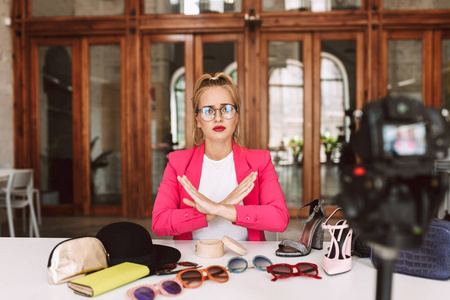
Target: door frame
<point x="426" y="37"/>
<point x="80" y="124"/>
<point x="77" y="206"/>
<point x="312" y="107"/>
<point x="318" y="37"/>
<point x="438" y="37"/>
<point x="85" y="138"/>
<point x="193" y="64"/>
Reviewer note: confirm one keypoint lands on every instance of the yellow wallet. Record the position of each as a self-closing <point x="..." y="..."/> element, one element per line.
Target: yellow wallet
<point x="108" y="279"/>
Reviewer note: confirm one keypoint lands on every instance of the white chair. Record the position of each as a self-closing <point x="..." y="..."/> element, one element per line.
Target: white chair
<point x="19" y="181"/>
<point x="23" y="194"/>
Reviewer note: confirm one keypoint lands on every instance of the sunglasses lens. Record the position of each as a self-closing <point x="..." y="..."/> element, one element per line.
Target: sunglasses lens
<point x="281" y="270"/>
<point x="237" y="265"/>
<point x="262" y="262"/>
<point x="191" y="278"/>
<point x="144" y="293"/>
<point x="218" y="274"/>
<point x="187" y="264"/>
<point x="171" y="287"/>
<point x="307" y="269"/>
<point x="166" y="268"/>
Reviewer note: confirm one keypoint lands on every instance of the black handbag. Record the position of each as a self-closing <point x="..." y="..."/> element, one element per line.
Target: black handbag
<point x="432" y="259"/>
<point x="360" y="247"/>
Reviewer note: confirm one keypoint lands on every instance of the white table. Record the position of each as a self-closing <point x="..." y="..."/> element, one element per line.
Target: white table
<point x="23" y="275"/>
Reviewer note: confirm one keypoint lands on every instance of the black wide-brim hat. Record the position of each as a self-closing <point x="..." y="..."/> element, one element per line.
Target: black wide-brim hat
<point x="130" y="242"/>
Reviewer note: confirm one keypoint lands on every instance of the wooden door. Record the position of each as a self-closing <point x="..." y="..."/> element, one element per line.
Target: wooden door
<point x="338" y="91"/>
<point x="441" y="74"/>
<point x="77" y="124"/>
<point x="172" y="62"/>
<point x="407" y="64"/>
<point x="310" y="83"/>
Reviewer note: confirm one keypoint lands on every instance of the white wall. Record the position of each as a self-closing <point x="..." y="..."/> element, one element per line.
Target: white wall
<point x="6" y="88"/>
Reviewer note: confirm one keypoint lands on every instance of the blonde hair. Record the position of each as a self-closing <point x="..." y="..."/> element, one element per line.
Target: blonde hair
<point x="205" y="81"/>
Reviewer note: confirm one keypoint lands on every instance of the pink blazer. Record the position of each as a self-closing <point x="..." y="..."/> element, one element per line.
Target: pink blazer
<point x="264" y="208"/>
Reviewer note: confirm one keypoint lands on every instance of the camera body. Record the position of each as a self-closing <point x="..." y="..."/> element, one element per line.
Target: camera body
<point x="391" y="195"/>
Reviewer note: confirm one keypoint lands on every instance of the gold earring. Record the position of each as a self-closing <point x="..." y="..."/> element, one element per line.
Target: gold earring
<point x="193" y="135"/>
<point x="236" y="135"/>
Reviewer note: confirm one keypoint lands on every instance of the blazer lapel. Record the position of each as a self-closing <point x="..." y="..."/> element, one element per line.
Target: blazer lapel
<point x="194" y="168"/>
<point x="243" y="169"/>
<point x="240" y="163"/>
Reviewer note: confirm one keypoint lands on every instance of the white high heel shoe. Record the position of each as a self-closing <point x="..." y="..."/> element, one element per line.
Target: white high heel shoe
<point x="338" y="259"/>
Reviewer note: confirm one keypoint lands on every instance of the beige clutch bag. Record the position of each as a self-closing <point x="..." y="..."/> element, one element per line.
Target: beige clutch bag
<point x="74" y="258"/>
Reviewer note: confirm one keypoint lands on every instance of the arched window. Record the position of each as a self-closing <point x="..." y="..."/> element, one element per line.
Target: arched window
<point x="231" y="70"/>
<point x="286" y="103"/>
<point x="177" y="109"/>
<point x="286" y="121"/>
<point x="286" y="124"/>
<point x="335" y="101"/>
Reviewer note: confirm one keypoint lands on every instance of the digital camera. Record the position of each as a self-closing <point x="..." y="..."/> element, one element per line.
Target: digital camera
<point x="390" y="195"/>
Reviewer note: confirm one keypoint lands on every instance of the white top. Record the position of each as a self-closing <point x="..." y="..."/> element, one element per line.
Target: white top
<point x="217" y="181"/>
<point x="23" y="276"/>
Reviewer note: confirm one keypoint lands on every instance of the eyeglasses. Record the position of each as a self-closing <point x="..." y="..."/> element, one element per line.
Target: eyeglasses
<point x="176" y="267"/>
<point x="280" y="271"/>
<point x="169" y="287"/>
<point x="208" y="113"/>
<point x="193" y="278"/>
<point x="239" y="265"/>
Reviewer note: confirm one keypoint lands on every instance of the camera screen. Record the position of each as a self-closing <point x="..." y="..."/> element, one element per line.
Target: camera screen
<point x="404" y="139"/>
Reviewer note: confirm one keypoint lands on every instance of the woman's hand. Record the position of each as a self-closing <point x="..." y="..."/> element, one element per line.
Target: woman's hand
<point x="242" y="190"/>
<point x="225" y="208"/>
<point x="201" y="203"/>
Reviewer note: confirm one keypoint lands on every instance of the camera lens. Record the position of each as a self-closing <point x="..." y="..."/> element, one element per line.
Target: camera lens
<point x="402" y="108"/>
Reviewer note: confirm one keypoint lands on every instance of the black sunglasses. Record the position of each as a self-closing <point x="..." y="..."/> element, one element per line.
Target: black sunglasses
<point x="176" y="267"/>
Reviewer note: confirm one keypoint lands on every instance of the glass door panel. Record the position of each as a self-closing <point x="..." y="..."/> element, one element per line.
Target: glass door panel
<point x="192" y="7"/>
<point x="311" y="5"/>
<point x="168" y="111"/>
<point x="55" y="124"/>
<point x="105" y="124"/>
<point x="221" y="53"/>
<point x="405" y="68"/>
<point x="414" y="4"/>
<point x="338" y="95"/>
<point x="286" y="98"/>
<point x="220" y="57"/>
<point x="58" y="8"/>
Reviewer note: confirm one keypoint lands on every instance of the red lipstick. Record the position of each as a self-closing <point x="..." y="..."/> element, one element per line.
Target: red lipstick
<point x="219" y="128"/>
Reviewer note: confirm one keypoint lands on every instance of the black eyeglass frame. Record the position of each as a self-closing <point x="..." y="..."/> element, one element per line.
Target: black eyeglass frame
<point x="179" y="266"/>
<point x="219" y="109"/>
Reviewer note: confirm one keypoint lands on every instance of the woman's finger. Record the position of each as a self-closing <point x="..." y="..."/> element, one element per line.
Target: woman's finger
<point x="250" y="178"/>
<point x="189" y="202"/>
<point x="187" y="182"/>
<point x="190" y="189"/>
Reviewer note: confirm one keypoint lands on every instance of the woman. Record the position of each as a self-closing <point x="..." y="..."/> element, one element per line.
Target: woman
<point x="218" y="187"/>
